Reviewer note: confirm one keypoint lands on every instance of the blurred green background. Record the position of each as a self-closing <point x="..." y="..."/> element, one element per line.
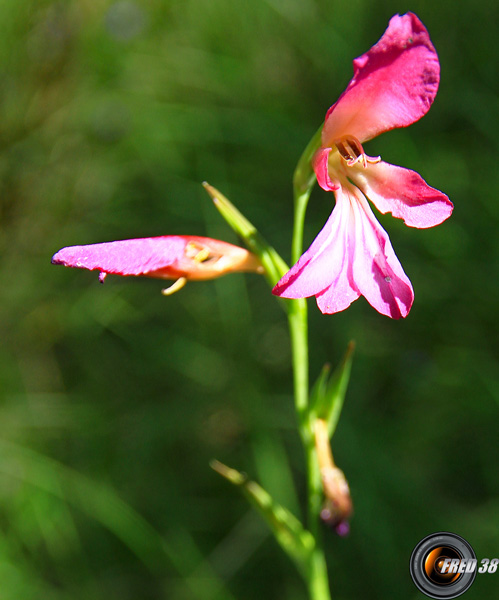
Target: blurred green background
<point x="114" y="398"/>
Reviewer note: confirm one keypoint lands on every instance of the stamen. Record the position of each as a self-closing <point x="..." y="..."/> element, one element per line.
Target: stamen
<point x="198" y="253"/>
<point x="175" y="287"/>
<point x="351" y="150"/>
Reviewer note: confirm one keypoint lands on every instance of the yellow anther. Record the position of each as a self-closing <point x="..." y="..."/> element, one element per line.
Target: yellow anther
<point x="198" y="253"/>
<point x="175" y="286"/>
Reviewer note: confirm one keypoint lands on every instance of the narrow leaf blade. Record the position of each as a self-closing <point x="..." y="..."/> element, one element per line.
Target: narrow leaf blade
<point x="274" y="265"/>
<point x="328" y="400"/>
<point x="294" y="539"/>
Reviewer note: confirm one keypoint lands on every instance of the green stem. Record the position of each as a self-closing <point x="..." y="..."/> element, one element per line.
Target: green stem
<point x="301" y="201"/>
<point x="317" y="577"/>
<point x="298" y="329"/>
<point x="318" y="582"/>
<point x="303" y="182"/>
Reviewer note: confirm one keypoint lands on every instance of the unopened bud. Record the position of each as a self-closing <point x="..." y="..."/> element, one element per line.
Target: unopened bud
<point x="180" y="257"/>
<point x="338" y="503"/>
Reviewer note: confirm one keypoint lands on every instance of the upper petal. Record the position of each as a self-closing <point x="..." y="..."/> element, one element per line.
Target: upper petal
<point x="404" y="193"/>
<point x="393" y="85"/>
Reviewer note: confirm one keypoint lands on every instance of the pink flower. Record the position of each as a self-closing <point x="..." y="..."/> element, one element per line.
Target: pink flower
<point x="178" y="257"/>
<point x="394" y="85"/>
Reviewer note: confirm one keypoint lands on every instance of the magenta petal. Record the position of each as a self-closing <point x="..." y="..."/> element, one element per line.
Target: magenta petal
<point x="394" y="84"/>
<point x="377" y="272"/>
<point x="404" y="193"/>
<point x="320" y="164"/>
<point x="125" y="257"/>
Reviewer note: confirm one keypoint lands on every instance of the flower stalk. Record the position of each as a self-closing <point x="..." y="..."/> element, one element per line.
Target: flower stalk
<point x="303" y="182"/>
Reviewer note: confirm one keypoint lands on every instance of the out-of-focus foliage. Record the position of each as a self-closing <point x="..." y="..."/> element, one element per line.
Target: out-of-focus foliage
<point x="114" y="398"/>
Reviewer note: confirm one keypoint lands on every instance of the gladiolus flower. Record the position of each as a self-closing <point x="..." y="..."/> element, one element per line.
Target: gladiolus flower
<point x="179" y="257"/>
<point x="394" y="85"/>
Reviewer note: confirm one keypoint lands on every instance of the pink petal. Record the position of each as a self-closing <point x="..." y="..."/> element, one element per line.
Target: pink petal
<point x="404" y="193"/>
<point x="324" y="265"/>
<point x="320" y="165"/>
<point x="125" y="257"/>
<point x="394" y="84"/>
<point x="352" y="255"/>
<point x="339" y="295"/>
<point x="376" y="270"/>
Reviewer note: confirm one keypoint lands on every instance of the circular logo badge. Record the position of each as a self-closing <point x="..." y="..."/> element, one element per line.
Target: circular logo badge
<point x="443" y="565"/>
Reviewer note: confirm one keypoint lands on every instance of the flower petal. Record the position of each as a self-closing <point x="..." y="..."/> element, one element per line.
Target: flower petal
<point x="377" y="273"/>
<point x="320" y="163"/>
<point x="322" y="263"/>
<point x="125" y="257"/>
<point x="404" y="193"/>
<point x="394" y="84"/>
<point x="339" y="295"/>
<point x="352" y="255"/>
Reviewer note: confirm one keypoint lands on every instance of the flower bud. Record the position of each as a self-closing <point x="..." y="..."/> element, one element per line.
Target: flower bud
<point x="180" y="257"/>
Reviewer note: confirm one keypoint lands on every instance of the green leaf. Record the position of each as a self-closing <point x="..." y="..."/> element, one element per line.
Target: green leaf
<point x="101" y="503"/>
<point x="327" y="397"/>
<point x="319" y="388"/>
<point x="293" y="538"/>
<point x="274" y="265"/>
